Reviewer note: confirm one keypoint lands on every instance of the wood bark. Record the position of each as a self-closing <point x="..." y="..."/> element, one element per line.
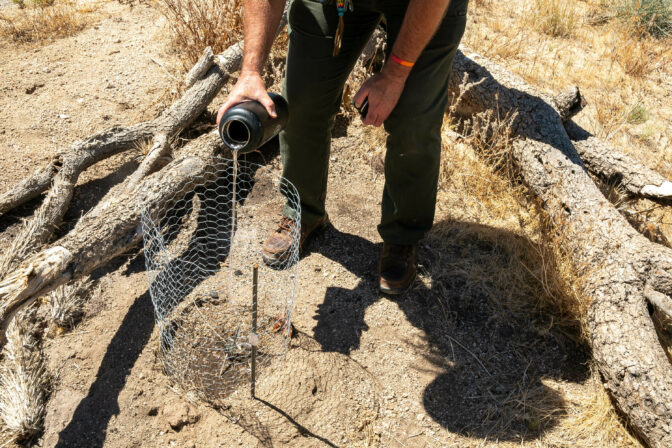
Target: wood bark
<point x="615" y="166"/>
<point x="569" y="103"/>
<point x="201" y="67"/>
<point x="620" y="268"/>
<point x="29" y="188"/>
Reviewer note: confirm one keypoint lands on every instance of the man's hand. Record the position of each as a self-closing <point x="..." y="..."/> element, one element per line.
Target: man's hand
<point x="250" y="87"/>
<point x="383" y="90"/>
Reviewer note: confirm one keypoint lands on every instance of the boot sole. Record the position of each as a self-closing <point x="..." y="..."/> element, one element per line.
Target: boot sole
<point x="397" y="291"/>
<point x="400" y="290"/>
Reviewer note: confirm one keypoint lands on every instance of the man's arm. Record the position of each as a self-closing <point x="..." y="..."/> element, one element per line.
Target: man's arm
<point x="260" y="21"/>
<point x="421" y="21"/>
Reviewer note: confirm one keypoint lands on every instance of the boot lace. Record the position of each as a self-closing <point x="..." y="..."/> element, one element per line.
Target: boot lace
<point x="286" y="224"/>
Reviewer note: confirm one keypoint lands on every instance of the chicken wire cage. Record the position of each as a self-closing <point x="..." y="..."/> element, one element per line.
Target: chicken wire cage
<point x="203" y="252"/>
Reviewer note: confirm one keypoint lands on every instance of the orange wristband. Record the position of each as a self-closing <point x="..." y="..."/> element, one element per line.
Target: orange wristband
<point x="400" y="61"/>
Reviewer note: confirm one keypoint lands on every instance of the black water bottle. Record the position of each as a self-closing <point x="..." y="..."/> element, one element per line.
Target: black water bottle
<point x="247" y="126"/>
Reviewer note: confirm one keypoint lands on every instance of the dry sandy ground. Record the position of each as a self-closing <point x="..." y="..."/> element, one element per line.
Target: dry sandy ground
<point x="439" y="367"/>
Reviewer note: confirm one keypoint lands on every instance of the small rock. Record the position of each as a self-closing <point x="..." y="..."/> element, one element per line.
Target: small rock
<point x="32" y="88"/>
<point x="63" y="116"/>
<point x="153" y="411"/>
<point x="179" y="415"/>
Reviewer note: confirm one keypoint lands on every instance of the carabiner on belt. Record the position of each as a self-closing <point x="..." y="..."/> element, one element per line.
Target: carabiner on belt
<point x="341" y="6"/>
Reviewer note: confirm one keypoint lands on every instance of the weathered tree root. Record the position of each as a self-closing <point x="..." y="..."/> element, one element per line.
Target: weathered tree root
<point x="109" y="229"/>
<point x="107" y="143"/>
<point x="29" y="188"/>
<point x="621" y="270"/>
<point x="615" y="166"/>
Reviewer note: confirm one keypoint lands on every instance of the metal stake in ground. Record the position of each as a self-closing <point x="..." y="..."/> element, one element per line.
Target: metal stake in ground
<point x="253" y="336"/>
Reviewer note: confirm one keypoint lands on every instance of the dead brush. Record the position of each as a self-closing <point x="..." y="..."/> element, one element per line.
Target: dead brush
<point x="557" y="18"/>
<point x="640" y="57"/>
<point x="588" y="419"/>
<point x="66" y="304"/>
<point x="21" y="247"/>
<point x="42" y="22"/>
<point x="24" y="381"/>
<point x="197" y="24"/>
<point x="646" y="17"/>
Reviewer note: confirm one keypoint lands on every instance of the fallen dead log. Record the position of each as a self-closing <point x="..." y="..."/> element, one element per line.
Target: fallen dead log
<point x="71" y="163"/>
<point x="29" y="188"/>
<point x="610" y="165"/>
<point x="615" y="166"/>
<point x="622" y="271"/>
<point x="109" y="229"/>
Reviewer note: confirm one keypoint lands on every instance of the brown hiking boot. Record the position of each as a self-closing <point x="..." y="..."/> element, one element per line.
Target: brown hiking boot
<point x="397" y="268"/>
<point x="278" y="245"/>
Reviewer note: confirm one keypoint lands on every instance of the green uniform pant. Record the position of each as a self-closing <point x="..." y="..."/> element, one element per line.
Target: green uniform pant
<point x="314" y="86"/>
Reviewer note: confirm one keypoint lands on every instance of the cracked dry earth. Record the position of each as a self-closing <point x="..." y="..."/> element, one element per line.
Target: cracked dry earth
<point x="438" y="367"/>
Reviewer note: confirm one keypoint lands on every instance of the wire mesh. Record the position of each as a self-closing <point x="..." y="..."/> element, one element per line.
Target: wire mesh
<point x="201" y="245"/>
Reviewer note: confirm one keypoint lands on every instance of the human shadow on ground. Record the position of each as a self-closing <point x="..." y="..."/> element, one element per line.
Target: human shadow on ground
<point x="492" y="366"/>
<point x="88" y="425"/>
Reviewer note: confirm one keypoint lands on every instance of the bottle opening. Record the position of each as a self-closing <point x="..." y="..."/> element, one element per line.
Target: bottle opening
<point x="237" y="134"/>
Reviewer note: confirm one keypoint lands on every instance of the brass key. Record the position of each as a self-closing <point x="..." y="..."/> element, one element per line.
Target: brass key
<point x="338" y="38"/>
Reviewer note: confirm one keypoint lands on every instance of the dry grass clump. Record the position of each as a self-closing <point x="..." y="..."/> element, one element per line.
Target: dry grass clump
<point x="640" y="57"/>
<point x="479" y="183"/>
<point x="42" y="22"/>
<point x="21" y="246"/>
<point x="23" y="380"/>
<point x="646" y="17"/>
<point x="22" y="3"/>
<point x="67" y="304"/>
<point x="556" y="18"/>
<point x="589" y="419"/>
<point x="196" y="24"/>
